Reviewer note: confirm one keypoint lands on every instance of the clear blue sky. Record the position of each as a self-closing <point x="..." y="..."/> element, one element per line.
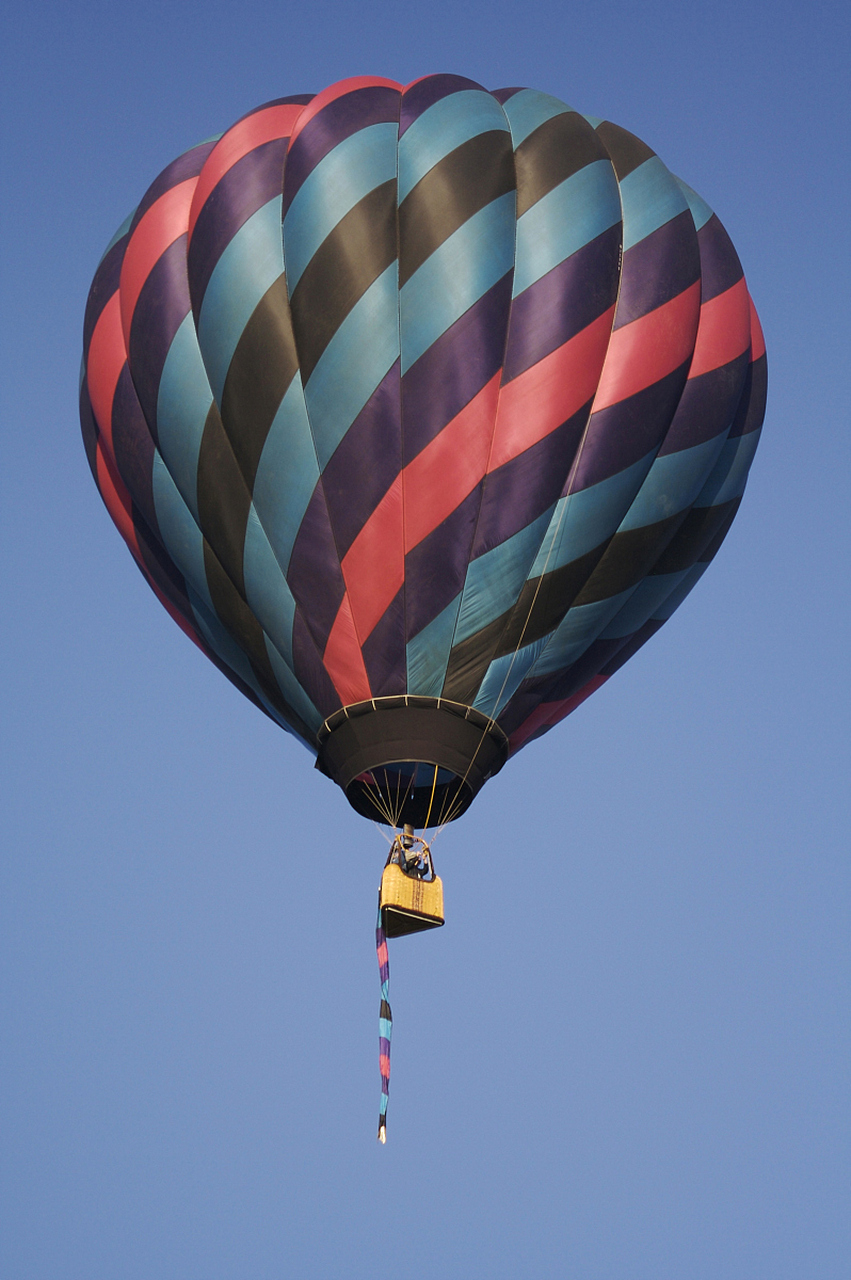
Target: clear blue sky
<point x="626" y="1056"/>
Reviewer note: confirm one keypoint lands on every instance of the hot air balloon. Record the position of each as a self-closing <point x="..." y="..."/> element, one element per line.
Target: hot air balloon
<point x="420" y="409"/>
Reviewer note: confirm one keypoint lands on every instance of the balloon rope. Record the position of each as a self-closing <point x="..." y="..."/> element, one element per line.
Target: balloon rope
<point x="431" y="798"/>
<point x="385" y="1024"/>
<point x="378" y="801"/>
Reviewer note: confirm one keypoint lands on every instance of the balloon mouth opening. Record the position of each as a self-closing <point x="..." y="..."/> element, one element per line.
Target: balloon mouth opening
<point x="410" y="760"/>
<point x="410" y="791"/>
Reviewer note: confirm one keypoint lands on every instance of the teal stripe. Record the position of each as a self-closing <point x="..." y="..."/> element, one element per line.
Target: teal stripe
<point x="495" y="579"/>
<point x="385" y="1028"/>
<point x="179" y="532"/>
<point x="355" y="167"/>
<point x="577" y="630"/>
<point x="672" y="484"/>
<point x="672" y="602"/>
<point x="287" y="474"/>
<point x="249" y="266"/>
<point x="183" y="402"/>
<point x="359" y="355"/>
<point x="576" y="211"/>
<point x="642" y="605"/>
<point x="730" y="472"/>
<point x="228" y="651"/>
<point x="266" y="591"/>
<point x="427" y="655"/>
<point x="585" y="520"/>
<point x="594" y="121"/>
<point x="527" y="110"/>
<point x="700" y="210"/>
<point x="267" y="594"/>
<point x="651" y="196"/>
<point x="294" y="695"/>
<point x="503" y="678"/>
<point x="455" y="276"/>
<point x="444" y="126"/>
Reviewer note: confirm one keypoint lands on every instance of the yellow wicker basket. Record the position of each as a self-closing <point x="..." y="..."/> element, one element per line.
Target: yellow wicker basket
<point x="409" y="904"/>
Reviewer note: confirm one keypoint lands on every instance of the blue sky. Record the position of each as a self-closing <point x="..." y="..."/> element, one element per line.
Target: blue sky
<point x="626" y="1056"/>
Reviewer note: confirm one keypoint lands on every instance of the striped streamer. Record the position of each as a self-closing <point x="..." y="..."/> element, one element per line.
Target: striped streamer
<point x="385" y="1024"/>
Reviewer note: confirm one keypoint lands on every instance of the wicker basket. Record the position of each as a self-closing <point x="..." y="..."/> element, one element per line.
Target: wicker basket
<point x="409" y="904"/>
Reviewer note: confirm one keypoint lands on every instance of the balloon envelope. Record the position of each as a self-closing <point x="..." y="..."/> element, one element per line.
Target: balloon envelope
<point x="421" y="409"/>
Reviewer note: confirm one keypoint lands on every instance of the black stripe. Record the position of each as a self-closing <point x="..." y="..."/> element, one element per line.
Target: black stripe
<point x="263" y="366"/>
<point x="242" y="625"/>
<point x="458" y="186"/>
<point x="223" y="499"/>
<point x="723" y="528"/>
<point x="554" y="151"/>
<point x="629" y="557"/>
<point x="349" y="260"/>
<point x="542" y="604"/>
<point x="626" y="151"/>
<point x="697" y="533"/>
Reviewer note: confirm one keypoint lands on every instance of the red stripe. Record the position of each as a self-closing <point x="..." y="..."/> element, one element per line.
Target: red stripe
<point x="450" y="467"/>
<point x="247" y="135"/>
<point x="496" y="425"/>
<point x="549" y="713"/>
<point x="107" y="357"/>
<point x="757" y="339"/>
<point x="534" y="404"/>
<point x="335" y="91"/>
<point x="650" y="348"/>
<point x="374" y="566"/>
<point x="162" y="224"/>
<point x="724" y="331"/>
<point x="343" y="658"/>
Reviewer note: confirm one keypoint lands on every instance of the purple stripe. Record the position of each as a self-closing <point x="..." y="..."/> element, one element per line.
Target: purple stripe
<point x="455" y="368"/>
<point x="422" y="95"/>
<point x="103" y="287"/>
<point x="524" y="488"/>
<point x="658" y="268"/>
<point x="707" y="406"/>
<point x="436" y="569"/>
<point x="751" y="410"/>
<point x="366" y="462"/>
<point x="720" y="268"/>
<point x="134" y="448"/>
<point x="344" y="116"/>
<point x="384" y="651"/>
<point x="502" y="95"/>
<point x="164" y="573"/>
<point x="625" y="432"/>
<point x="631" y="646"/>
<point x="161" y="308"/>
<point x="189" y="165"/>
<point x="563" y="302"/>
<point x="314" y="574"/>
<point x="249" y="184"/>
<point x="309" y="671"/>
<point x="561" y="684"/>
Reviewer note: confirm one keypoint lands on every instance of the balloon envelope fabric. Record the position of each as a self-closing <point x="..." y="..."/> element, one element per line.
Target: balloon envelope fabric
<point x="420" y="409"/>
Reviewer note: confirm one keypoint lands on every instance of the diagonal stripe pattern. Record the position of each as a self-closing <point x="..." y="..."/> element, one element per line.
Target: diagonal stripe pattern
<point x="424" y="390"/>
